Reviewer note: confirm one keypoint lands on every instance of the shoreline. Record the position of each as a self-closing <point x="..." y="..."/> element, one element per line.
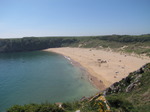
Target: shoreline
<point x="93" y="80"/>
<point x="101" y="75"/>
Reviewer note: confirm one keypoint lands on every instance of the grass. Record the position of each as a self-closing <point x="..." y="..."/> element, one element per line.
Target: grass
<point x="137" y="100"/>
<point x="133" y="44"/>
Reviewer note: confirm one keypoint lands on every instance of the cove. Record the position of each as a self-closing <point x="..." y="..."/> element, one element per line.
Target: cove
<point x="38" y="77"/>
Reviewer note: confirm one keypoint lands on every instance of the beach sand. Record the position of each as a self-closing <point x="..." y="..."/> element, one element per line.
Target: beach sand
<point x="104" y="67"/>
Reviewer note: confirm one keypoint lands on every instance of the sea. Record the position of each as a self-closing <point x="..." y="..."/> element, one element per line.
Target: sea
<point x="40" y="77"/>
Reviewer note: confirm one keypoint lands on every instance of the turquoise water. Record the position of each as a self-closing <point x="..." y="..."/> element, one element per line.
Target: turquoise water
<point x="37" y="77"/>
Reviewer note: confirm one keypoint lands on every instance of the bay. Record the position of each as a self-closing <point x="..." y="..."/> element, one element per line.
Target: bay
<point x="38" y="77"/>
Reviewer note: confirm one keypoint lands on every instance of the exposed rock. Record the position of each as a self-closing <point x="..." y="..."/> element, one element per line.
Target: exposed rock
<point x="130" y="87"/>
<point x="107" y="91"/>
<point x="126" y="84"/>
<point x="140" y="71"/>
<point x="138" y="77"/>
<point x="83" y="98"/>
<point x="116" y="83"/>
<point x="59" y="104"/>
<point x="100" y="81"/>
<point x="127" y="79"/>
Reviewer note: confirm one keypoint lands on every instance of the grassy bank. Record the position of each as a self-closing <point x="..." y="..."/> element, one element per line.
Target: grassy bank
<point x="137" y="99"/>
<point x="123" y="43"/>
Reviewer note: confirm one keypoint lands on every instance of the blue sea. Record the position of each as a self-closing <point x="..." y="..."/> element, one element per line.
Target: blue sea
<point x="38" y="77"/>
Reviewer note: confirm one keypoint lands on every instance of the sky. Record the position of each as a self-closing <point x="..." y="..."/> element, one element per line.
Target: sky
<point x="23" y="18"/>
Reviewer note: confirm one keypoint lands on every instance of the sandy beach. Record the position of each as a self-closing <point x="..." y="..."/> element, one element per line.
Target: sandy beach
<point x="104" y="67"/>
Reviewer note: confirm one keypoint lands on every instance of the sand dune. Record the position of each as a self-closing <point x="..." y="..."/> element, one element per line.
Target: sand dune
<point x="105" y="67"/>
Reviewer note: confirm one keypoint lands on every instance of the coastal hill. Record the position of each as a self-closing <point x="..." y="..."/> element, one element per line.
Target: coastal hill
<point x="131" y="94"/>
<point x="139" y="44"/>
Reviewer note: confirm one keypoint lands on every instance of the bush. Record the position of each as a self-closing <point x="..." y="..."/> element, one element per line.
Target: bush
<point x="121" y="104"/>
<point x="35" y="108"/>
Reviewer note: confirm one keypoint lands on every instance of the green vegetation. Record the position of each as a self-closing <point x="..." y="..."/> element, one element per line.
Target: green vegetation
<point x="35" y="108"/>
<point x="136" y="99"/>
<point x="83" y="106"/>
<point x="32" y="43"/>
<point x="123" y="43"/>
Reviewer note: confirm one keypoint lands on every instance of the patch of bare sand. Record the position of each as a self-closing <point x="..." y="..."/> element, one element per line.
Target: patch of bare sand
<point x="104" y="67"/>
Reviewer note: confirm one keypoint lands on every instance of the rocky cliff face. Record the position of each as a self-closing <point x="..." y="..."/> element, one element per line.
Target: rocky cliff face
<point x="129" y="83"/>
<point x="131" y="94"/>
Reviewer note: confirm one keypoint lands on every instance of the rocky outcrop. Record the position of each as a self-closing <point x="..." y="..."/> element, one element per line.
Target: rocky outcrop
<point x="132" y="81"/>
<point x="134" y="84"/>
